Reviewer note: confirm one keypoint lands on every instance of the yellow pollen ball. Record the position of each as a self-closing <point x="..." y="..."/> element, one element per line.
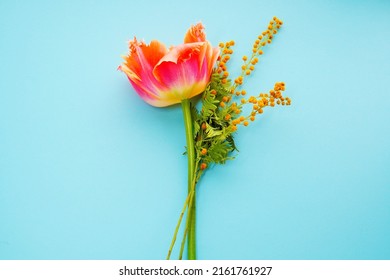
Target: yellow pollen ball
<point x="204" y="151"/>
<point x="246" y="123"/>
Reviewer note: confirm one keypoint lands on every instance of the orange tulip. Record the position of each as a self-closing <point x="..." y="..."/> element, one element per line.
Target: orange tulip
<point x="164" y="77"/>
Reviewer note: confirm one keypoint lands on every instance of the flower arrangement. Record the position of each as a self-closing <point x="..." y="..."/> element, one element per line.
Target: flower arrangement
<point x="164" y="77"/>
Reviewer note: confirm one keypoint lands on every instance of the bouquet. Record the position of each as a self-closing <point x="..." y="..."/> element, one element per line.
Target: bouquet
<point x="167" y="76"/>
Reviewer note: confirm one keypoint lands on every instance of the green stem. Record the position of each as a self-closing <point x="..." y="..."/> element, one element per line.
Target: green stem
<point x="191" y="243"/>
<point x="186" y="227"/>
<point x="178" y="226"/>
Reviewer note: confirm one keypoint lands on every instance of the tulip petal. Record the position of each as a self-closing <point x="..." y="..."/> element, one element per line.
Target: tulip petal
<point x="186" y="69"/>
<point x="139" y="64"/>
<point x="195" y="34"/>
<point x="179" y="69"/>
<point x="142" y="58"/>
<point x="151" y="97"/>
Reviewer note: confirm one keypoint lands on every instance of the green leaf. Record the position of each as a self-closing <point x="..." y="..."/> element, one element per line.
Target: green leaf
<point x="219" y="151"/>
<point x="212" y="132"/>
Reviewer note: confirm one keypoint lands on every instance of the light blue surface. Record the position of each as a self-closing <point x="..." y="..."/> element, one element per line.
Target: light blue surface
<point x="90" y="171"/>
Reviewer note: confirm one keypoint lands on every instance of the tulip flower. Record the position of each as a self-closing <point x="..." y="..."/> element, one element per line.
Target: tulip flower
<point x="163" y="77"/>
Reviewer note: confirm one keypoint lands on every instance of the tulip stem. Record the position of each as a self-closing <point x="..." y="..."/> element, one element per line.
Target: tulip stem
<point x="191" y="214"/>
<point x="178" y="226"/>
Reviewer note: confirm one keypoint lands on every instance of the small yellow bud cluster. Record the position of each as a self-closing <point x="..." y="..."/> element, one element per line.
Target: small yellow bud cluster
<point x="242" y="92"/>
<point x="231" y="109"/>
<point x="239" y="80"/>
<point x="260" y="102"/>
<point x="226" y="51"/>
<point x="263" y="39"/>
<point x="203" y="152"/>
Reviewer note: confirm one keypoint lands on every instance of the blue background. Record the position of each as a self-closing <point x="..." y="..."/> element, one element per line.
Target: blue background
<point x="90" y="171"/>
